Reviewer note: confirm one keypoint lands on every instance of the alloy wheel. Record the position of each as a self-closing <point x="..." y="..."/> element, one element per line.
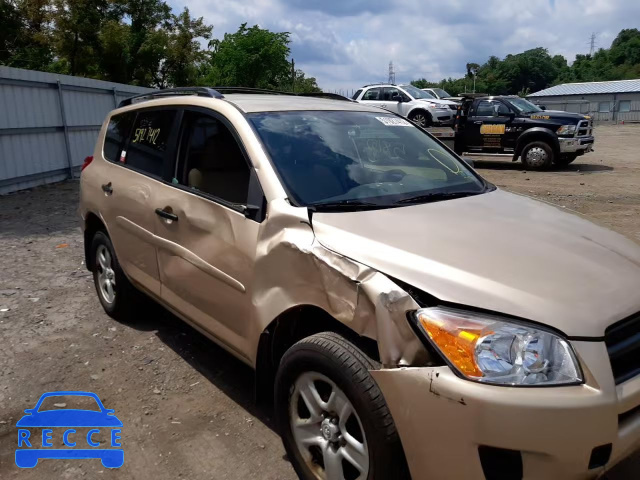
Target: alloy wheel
<point x="106" y="274"/>
<point x="327" y="430"/>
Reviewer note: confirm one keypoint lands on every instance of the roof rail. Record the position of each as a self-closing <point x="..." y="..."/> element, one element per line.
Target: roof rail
<point x="379" y="83"/>
<point x="199" y="91"/>
<point x="473" y="95"/>
<point x="230" y="90"/>
<point x="332" y="96"/>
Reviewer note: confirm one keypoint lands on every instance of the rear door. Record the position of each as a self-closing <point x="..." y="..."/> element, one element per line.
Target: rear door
<point x="137" y="145"/>
<point x="208" y="237"/>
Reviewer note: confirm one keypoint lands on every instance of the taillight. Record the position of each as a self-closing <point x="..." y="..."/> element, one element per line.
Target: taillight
<point x="86" y="163"/>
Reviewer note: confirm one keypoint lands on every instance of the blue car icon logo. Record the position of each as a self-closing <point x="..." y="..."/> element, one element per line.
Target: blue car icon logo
<point x="32" y="447"/>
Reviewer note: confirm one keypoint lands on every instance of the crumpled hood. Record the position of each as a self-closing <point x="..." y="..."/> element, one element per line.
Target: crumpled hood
<point x="498" y="251"/>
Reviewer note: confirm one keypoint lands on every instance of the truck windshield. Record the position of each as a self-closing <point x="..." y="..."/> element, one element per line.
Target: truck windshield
<point x="524" y="106"/>
<point x="353" y="159"/>
<point x="441" y="93"/>
<point x="416" y="92"/>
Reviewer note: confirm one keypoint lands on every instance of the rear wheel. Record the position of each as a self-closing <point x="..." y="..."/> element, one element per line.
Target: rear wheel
<point x="421" y="118"/>
<point x="566" y="159"/>
<point x="334" y="422"/>
<point x="115" y="292"/>
<point x="537" y="156"/>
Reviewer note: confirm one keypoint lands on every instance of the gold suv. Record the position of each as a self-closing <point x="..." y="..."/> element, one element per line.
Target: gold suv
<point x="406" y="316"/>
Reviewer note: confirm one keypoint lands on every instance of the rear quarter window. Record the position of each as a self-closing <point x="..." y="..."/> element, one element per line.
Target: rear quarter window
<point x="117" y="133"/>
<point x="149" y="140"/>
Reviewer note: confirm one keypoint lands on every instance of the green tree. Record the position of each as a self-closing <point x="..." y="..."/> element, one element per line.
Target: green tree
<point x="250" y="57"/>
<point x="25" y="34"/>
<point x="184" y="55"/>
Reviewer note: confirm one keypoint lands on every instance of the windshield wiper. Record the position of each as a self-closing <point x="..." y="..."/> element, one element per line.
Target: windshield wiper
<point x="434" y="197"/>
<point x="345" y="205"/>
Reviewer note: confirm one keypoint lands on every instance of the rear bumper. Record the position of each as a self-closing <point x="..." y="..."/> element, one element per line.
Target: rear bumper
<point x="576" y="144"/>
<point x="443" y="420"/>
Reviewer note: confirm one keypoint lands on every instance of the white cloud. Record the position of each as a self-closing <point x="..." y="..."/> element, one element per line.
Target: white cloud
<point x="346" y="43"/>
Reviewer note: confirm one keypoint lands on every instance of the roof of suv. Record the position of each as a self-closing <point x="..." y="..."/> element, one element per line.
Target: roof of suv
<point x="251" y="103"/>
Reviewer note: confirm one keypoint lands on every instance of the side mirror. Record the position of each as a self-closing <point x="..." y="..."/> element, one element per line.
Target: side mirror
<point x="468" y="161"/>
<point x="542" y="107"/>
<point x="396" y="98"/>
<point x="511" y="115"/>
<point x="29" y="410"/>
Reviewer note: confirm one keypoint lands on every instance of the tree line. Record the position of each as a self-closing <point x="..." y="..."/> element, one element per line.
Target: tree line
<point x="535" y="69"/>
<point x="143" y="42"/>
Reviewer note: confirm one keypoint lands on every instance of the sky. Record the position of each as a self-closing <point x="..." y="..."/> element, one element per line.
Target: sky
<point x="348" y="43"/>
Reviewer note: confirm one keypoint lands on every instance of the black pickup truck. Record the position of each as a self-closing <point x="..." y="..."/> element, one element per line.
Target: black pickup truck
<point x="512" y="125"/>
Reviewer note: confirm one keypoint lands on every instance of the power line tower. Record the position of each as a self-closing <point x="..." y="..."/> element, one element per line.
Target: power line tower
<point x="592" y="44"/>
<point x="392" y="73"/>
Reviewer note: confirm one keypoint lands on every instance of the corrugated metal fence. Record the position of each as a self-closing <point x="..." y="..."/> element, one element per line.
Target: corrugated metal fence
<point x="49" y="124"/>
<point x="602" y="108"/>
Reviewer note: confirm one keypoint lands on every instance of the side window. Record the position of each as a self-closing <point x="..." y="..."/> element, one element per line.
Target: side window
<point x="117" y="134"/>
<point x="211" y="160"/>
<point x="146" y="150"/>
<point x="372" y="94"/>
<point x="357" y="94"/>
<point x="624" y="106"/>
<point x="500" y="107"/>
<point x="604" y="107"/>
<point x="484" y="109"/>
<point x="390" y="92"/>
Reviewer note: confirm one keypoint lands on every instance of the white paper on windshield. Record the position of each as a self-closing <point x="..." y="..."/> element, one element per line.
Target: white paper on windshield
<point x="393" y="121"/>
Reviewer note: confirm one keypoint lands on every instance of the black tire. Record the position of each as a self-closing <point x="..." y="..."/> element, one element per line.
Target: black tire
<point x="566" y="159"/>
<point x="122" y="306"/>
<point x="335" y="358"/>
<point x="542" y="161"/>
<point x="421" y="118"/>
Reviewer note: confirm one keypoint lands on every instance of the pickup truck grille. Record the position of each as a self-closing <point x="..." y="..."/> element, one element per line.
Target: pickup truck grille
<point x="584" y="128"/>
<point x="623" y="344"/>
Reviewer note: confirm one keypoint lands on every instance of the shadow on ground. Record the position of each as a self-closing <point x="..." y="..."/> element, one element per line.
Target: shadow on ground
<point x="517" y="166"/>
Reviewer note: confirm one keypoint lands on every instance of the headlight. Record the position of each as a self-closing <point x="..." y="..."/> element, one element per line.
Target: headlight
<point x="489" y="349"/>
<point x="432" y="105"/>
<point x="566" y="130"/>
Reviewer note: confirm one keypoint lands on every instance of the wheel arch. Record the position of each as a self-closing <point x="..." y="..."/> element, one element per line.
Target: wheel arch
<point x="537" y="134"/>
<point x="288" y="328"/>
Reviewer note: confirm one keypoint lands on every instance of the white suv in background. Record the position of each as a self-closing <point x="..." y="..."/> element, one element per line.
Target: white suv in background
<point x="409" y="101"/>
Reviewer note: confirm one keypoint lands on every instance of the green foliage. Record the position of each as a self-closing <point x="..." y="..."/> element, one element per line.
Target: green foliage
<point x="535" y="69"/>
<point x="142" y="42"/>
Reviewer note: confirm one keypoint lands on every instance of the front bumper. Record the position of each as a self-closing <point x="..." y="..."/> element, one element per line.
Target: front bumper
<point x="444" y="117"/>
<point x="443" y="420"/>
<point x="576" y="144"/>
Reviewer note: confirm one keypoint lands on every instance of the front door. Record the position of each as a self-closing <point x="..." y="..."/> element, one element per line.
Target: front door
<point x="208" y="244"/>
<point x="487" y="126"/>
<point x="135" y="167"/>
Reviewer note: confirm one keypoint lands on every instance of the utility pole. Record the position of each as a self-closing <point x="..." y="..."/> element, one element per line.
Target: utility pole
<point x="392" y="74"/>
<point x="293" y="76"/>
<point x="592" y="44"/>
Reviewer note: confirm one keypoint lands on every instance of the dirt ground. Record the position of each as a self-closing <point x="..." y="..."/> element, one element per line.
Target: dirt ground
<point x="186" y="405"/>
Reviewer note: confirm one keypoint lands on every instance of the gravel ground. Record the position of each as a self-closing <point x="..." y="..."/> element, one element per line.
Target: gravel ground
<point x="186" y="405"/>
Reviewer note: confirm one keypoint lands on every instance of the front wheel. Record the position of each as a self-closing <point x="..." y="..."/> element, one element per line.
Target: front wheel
<point x="334" y="422"/>
<point x="537" y="156"/>
<point x="421" y="118"/>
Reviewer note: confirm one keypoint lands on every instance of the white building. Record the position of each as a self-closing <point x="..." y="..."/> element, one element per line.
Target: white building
<point x="616" y="101"/>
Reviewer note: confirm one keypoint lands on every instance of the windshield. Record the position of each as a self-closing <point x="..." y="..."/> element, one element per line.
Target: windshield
<point x="441" y="93"/>
<point x="348" y="158"/>
<point x="416" y="92"/>
<point x="523" y="106"/>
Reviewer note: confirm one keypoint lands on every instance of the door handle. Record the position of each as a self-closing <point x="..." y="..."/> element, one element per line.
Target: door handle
<point x="107" y="188"/>
<point x="168" y="215"/>
<point x="478" y="122"/>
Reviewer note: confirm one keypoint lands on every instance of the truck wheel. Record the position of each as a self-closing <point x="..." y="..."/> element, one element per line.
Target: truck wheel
<point x="115" y="292"/>
<point x="537" y="156"/>
<point x="421" y="118"/>
<point x="332" y="417"/>
<point x="564" y="160"/>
